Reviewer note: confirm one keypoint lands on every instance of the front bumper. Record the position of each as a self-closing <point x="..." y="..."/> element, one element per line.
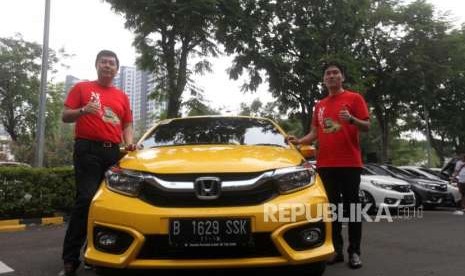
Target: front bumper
<point x="430" y="197"/>
<point x="143" y="222"/>
<point x="393" y="199"/>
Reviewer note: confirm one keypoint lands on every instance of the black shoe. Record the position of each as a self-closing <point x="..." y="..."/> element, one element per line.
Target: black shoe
<point x="69" y="269"/>
<point x="355" y="261"/>
<point x="336" y="258"/>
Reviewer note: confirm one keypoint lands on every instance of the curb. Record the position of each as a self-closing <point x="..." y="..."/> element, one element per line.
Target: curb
<point x="14" y="225"/>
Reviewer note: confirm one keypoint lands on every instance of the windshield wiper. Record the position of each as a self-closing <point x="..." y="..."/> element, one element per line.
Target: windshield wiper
<point x="268" y="144"/>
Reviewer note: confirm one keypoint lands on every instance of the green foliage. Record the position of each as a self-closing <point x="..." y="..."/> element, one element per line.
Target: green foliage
<point x="20" y="63"/>
<point x="167" y="34"/>
<point x="412" y="152"/>
<point x="288" y="41"/>
<point x="32" y="192"/>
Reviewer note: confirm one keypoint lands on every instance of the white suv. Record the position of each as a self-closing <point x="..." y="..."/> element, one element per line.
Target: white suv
<point x="380" y="190"/>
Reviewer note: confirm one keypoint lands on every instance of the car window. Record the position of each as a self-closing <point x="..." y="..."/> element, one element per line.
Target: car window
<point x="215" y="130"/>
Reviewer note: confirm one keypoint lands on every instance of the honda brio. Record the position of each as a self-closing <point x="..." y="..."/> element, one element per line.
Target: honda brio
<point x="210" y="192"/>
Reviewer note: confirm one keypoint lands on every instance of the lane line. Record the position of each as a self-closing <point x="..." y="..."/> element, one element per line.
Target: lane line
<point x="4" y="268"/>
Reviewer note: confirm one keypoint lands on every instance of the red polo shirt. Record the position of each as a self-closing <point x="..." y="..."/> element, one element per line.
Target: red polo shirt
<point x="114" y="112"/>
<point x="338" y="140"/>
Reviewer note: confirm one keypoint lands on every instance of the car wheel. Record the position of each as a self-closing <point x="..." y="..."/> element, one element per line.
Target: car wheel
<point x="314" y="269"/>
<point x="369" y="199"/>
<point x="418" y="201"/>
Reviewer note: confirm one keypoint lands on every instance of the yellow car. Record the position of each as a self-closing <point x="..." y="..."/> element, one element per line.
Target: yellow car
<point x="210" y="192"/>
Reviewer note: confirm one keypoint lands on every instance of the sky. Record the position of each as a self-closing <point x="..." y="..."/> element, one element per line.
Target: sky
<point x="84" y="27"/>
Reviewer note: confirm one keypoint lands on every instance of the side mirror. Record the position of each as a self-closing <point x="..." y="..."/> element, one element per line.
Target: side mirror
<point x="307" y="151"/>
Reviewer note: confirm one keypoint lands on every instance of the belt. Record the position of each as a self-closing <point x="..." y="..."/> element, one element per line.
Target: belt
<point x="104" y="144"/>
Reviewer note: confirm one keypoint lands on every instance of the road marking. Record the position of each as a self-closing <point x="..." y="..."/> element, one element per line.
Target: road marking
<point x="4" y="268"/>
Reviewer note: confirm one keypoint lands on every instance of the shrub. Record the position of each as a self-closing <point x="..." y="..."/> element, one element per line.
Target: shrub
<point x="35" y="192"/>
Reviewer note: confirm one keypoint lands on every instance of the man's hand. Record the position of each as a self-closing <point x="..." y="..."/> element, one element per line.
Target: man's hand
<point x="91" y="107"/>
<point x="131" y="147"/>
<point x="293" y="140"/>
<point x="345" y="115"/>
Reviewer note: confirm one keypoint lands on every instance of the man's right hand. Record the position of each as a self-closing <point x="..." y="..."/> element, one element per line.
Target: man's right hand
<point x="92" y="107"/>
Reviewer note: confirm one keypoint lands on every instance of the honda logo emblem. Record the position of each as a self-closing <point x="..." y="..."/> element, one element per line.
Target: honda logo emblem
<point x="207" y="188"/>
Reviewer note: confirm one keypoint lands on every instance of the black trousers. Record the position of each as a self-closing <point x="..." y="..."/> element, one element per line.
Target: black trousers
<point x="342" y="186"/>
<point x="91" y="160"/>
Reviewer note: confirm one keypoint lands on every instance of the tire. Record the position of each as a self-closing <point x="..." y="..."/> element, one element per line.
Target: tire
<point x="369" y="199"/>
<point x="313" y="269"/>
<point x="418" y="200"/>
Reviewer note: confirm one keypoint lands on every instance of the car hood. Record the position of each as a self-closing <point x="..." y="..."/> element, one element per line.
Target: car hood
<point x="384" y="179"/>
<point x="211" y="158"/>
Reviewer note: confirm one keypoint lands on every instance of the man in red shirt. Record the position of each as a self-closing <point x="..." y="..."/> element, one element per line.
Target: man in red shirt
<point x="103" y="120"/>
<point x="336" y="122"/>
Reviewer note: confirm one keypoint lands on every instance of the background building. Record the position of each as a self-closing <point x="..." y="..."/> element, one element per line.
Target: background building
<point x="5" y="152"/>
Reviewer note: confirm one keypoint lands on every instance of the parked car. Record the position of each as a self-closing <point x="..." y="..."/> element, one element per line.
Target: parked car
<point x="427" y="193"/>
<point x="454" y="197"/>
<point x="385" y="191"/>
<point x="197" y="195"/>
<point x="14" y="164"/>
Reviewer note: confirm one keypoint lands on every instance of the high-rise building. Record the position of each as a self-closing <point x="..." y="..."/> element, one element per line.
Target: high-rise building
<point x="5" y="151"/>
<point x="138" y="85"/>
<point x="70" y="81"/>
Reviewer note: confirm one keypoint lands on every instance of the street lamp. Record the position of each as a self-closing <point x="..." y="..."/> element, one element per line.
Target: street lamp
<point x="39" y="153"/>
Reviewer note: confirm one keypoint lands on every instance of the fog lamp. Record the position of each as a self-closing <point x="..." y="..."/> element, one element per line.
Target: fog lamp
<point x="311" y="236"/>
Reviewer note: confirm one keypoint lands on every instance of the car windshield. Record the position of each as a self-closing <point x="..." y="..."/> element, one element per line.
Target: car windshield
<point x="215" y="130"/>
<point x="415" y="173"/>
<point x="378" y="170"/>
<point x="401" y="172"/>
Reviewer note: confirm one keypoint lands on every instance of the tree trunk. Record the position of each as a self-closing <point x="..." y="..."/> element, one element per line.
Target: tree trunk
<point x="384" y="129"/>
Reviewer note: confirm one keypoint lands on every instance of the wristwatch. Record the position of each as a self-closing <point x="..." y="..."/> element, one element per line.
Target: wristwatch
<point x="81" y="110"/>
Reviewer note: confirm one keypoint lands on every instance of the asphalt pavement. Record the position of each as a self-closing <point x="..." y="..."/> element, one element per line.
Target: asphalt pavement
<point x="432" y="243"/>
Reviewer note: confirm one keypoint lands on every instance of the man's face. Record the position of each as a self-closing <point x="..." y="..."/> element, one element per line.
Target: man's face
<point x="106" y="67"/>
<point x="333" y="78"/>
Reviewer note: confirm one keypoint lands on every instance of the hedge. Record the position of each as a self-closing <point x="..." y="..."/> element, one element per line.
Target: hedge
<point x="35" y="192"/>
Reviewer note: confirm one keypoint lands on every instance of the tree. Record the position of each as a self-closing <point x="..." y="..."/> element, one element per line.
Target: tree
<point x="429" y="54"/>
<point x="197" y="105"/>
<point x="168" y="32"/>
<point x="378" y="52"/>
<point x="20" y="63"/>
<point x="287" y="41"/>
<point x="19" y="82"/>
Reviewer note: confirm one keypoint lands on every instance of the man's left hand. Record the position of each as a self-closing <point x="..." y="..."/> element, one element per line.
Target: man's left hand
<point x="131" y="147"/>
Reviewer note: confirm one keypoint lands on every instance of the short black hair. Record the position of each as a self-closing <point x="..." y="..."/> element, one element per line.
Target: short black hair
<point x="107" y="53"/>
<point x="334" y="63"/>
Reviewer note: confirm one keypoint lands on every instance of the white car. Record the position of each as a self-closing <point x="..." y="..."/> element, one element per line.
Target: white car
<point x="452" y="188"/>
<point x="385" y="191"/>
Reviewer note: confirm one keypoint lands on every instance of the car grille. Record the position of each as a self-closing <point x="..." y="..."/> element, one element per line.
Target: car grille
<point x="157" y="196"/>
<point x="158" y="247"/>
<point x="401" y="188"/>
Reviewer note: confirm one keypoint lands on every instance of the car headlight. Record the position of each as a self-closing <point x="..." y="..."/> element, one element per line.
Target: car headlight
<point x="381" y="185"/>
<point x="123" y="181"/>
<point x="293" y="178"/>
<point x="426" y="185"/>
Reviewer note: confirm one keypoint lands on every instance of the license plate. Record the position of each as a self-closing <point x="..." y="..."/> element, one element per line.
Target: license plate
<point x="209" y="232"/>
<point x="409" y="199"/>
